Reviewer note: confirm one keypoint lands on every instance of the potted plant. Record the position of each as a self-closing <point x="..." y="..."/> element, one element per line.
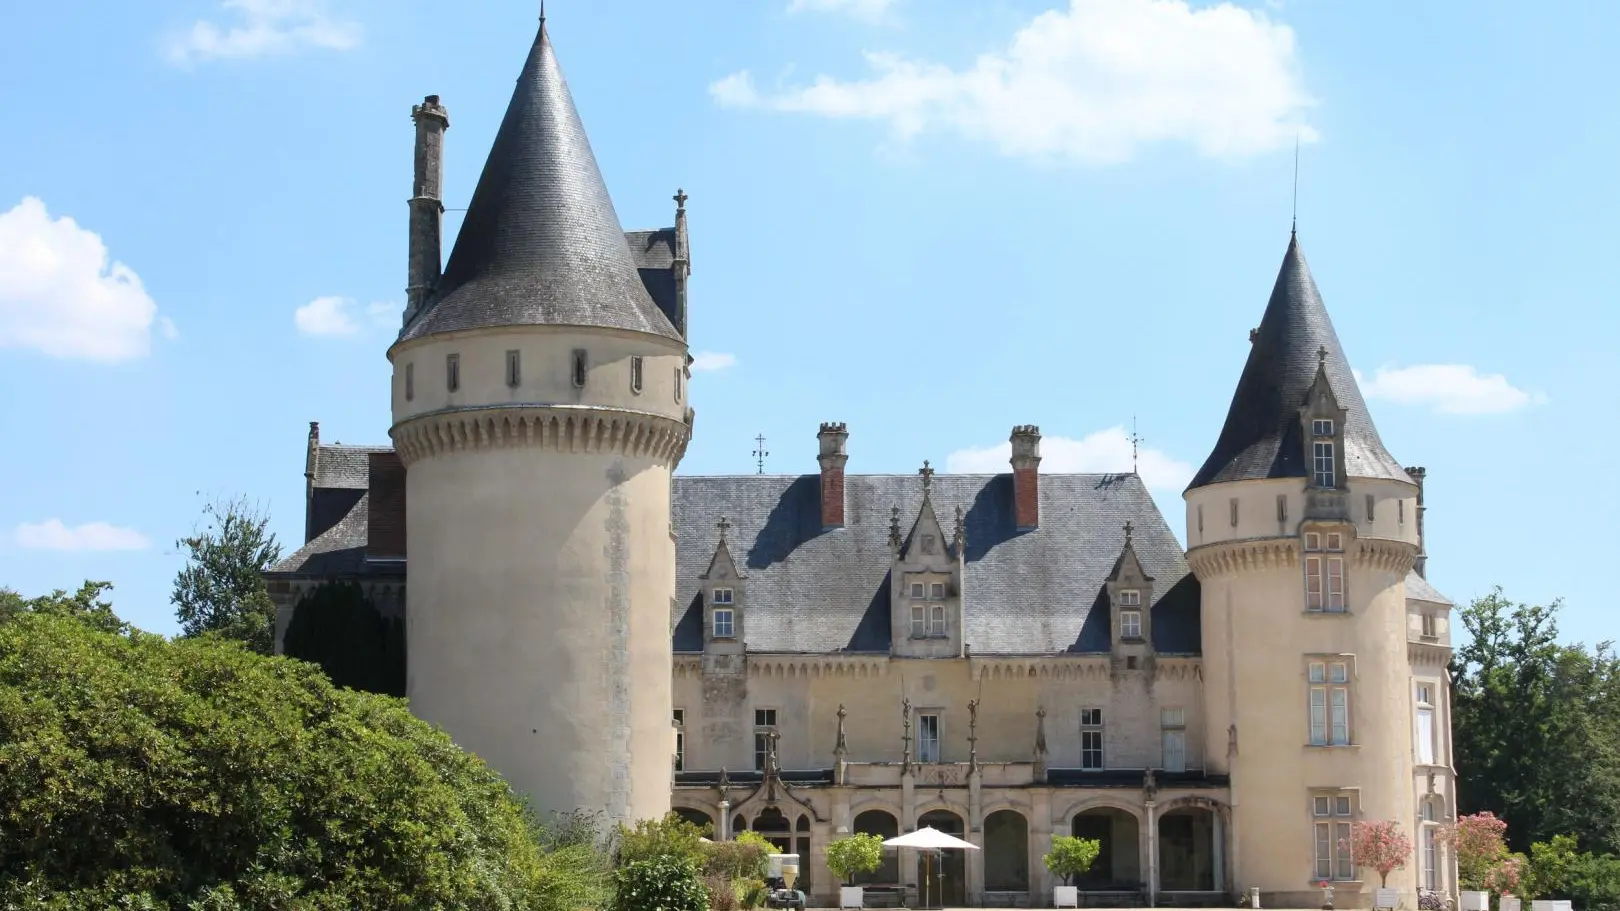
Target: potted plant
<point x="848" y="857"/>
<point x="1385" y="848"/>
<point x="1070" y="857"/>
<point x="1479" y="844"/>
<point x="1327" y="894"/>
<point x="1507" y="879"/>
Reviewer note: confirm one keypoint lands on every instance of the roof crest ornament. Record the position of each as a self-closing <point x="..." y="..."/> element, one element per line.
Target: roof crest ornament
<point x="961" y="530"/>
<point x="927" y="473"/>
<point x="894" y="526"/>
<point x="1130" y="527"/>
<point x="680" y="198"/>
<point x="1321" y="357"/>
<point x="724" y="525"/>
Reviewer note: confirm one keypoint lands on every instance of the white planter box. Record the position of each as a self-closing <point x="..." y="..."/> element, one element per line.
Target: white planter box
<point x="1385" y="898"/>
<point x="851" y="897"/>
<point x="1549" y="905"/>
<point x="1473" y="901"/>
<point x="1509" y="903"/>
<point x="1066" y="897"/>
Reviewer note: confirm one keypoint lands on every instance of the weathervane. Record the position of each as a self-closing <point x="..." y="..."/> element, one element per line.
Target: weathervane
<point x="760" y="454"/>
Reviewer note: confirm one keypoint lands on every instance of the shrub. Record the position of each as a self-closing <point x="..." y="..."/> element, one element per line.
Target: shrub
<point x="1071" y="857"/>
<point x="670" y="837"/>
<point x="1479" y="843"/>
<point x="1381" y="846"/>
<point x="859" y="853"/>
<point x="138" y="772"/>
<point x="736" y="860"/>
<point x="751" y="893"/>
<point x="722" y="893"/>
<point x="660" y="883"/>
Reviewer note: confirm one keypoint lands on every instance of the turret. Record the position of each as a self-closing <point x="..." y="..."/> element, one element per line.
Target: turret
<point x="539" y="413"/>
<point x="427" y="203"/>
<point x="1296" y="530"/>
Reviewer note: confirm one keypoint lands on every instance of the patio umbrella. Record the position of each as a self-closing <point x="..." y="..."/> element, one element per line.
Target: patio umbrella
<point x="928" y="838"/>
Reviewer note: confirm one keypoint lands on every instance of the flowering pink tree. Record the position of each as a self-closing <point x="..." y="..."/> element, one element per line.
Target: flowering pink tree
<point x="1381" y="846"/>
<point x="1506" y="877"/>
<point x="1479" y="843"/>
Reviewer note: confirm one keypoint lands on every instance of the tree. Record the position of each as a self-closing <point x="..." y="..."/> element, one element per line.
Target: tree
<point x="1071" y="856"/>
<point x="221" y="588"/>
<point x="663" y="883"/>
<point x="670" y="837"/>
<point x="142" y="772"/>
<point x="85" y="605"/>
<point x="1381" y="846"/>
<point x="1479" y="845"/>
<point x="337" y="627"/>
<point x="858" y="853"/>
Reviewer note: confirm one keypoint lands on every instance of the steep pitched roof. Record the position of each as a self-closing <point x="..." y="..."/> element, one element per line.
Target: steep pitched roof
<point x="1419" y="589"/>
<point x="1028" y="593"/>
<point x="541" y="243"/>
<point x="1262" y="435"/>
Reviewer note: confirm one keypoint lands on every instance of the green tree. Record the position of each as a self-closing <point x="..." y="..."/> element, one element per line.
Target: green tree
<point x="1536" y="726"/>
<point x="85" y="605"/>
<point x="853" y="855"/>
<point x="661" y="883"/>
<point x="670" y="837"/>
<point x="142" y="772"/>
<point x="337" y="627"/>
<point x="1071" y="856"/>
<point x="221" y="588"/>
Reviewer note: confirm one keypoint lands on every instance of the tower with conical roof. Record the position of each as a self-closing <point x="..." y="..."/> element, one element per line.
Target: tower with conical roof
<point x="539" y="404"/>
<point x="1302" y="529"/>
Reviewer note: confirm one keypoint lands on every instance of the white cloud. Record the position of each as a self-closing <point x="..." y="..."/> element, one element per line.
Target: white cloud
<point x="1447" y="388"/>
<point x="332" y="316"/>
<point x="53" y="535"/>
<point x="1092" y="84"/>
<point x="1104" y="451"/>
<point x="59" y="293"/>
<point x="863" y="10"/>
<point x="261" y="28"/>
<point x="709" y="361"/>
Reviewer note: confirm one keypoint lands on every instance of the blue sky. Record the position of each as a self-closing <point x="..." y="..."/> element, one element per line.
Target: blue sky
<point x="932" y="219"/>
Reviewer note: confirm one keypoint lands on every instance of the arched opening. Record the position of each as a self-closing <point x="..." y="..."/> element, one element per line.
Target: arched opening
<point x="738" y="824"/>
<point x="1187" y="858"/>
<point x="802" y="847"/>
<point x="942" y="875"/>
<point x="879" y="822"/>
<point x="772" y="824"/>
<point x="1118" y="867"/>
<point x="698" y="818"/>
<point x="1006" y="852"/>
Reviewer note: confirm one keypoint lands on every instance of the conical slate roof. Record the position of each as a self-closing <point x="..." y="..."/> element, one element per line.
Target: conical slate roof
<point x="541" y="243"/>
<point x="1263" y="437"/>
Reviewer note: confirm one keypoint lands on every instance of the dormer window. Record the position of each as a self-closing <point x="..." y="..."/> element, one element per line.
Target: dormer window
<point x="928" y="621"/>
<point x="1324" y="473"/>
<point x="722" y="596"/>
<point x="1321" y="428"/>
<point x="1130" y="597"/>
<point x="1130" y="624"/>
<point x="725" y="625"/>
<point x="936" y="591"/>
<point x="917" y="590"/>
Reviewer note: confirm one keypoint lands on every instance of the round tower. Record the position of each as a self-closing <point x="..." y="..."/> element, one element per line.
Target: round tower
<point x="539" y="407"/>
<point x="1301" y="529"/>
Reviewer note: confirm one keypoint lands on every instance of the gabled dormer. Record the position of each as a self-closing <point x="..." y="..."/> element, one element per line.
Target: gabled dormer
<point x="724" y="589"/>
<point x="925" y="581"/>
<point x="1321" y="425"/>
<point x="1130" y="601"/>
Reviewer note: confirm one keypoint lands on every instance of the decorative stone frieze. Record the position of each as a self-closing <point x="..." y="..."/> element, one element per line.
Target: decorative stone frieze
<point x="558" y="428"/>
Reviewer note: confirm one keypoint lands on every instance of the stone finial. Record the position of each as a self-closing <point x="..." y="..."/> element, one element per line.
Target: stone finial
<point x="680" y="198"/>
<point x="927" y="473"/>
<point x="973" y="736"/>
<point x="1254" y="335"/>
<point x="840" y="747"/>
<point x="1130" y="529"/>
<point x="960" y="541"/>
<point x="894" y="528"/>
<point x="1321" y="356"/>
<point x="725" y="526"/>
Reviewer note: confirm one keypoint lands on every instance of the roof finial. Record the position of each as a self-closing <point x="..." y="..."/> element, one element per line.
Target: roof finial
<point x="1136" y="439"/>
<point x="542" y="12"/>
<point x="725" y="526"/>
<point x="680" y="199"/>
<point x="1294" y="221"/>
<point x="1321" y="356"/>
<point x="1130" y="528"/>
<point x="927" y="476"/>
<point x="760" y="454"/>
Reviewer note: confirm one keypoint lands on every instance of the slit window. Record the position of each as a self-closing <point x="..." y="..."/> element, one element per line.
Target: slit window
<point x="635" y="375"/>
<point x="579" y="369"/>
<point x="452" y="372"/>
<point x="410" y="382"/>
<point x="514" y="369"/>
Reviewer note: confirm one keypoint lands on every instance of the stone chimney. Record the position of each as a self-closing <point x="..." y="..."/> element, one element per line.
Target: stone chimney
<point x="1026" y="464"/>
<point x="312" y="456"/>
<point x="834" y="439"/>
<point x="1421" y="565"/>
<point x="427" y="203"/>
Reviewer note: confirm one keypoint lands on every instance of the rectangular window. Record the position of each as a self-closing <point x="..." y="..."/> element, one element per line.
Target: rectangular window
<point x="1200" y="518"/>
<point x="1425" y="724"/>
<point x="1130" y="624"/>
<point x="936" y="591"/>
<point x="1233" y="505"/>
<point x="1130" y="597"/>
<point x="1431" y="856"/>
<point x="680" y="379"/>
<point x="936" y="621"/>
<point x="635" y="375"/>
<point x="680" y="740"/>
<point x="724" y="623"/>
<point x="919" y="621"/>
<point x="514" y="369"/>
<point x="1321" y="428"/>
<point x="1426" y="625"/>
<point x="1091" y="739"/>
<point x="1322" y="468"/>
<point x="1282" y="507"/>
<point x="1324" y="583"/>
<point x="723" y="596"/>
<point x="1400" y="511"/>
<point x="1331" y="818"/>
<point x="452" y="372"/>
<point x="1173" y="739"/>
<point x="916" y="590"/>
<point x="1370" y="502"/>
<point x="928" y="738"/>
<point x="578" y="370"/>
<point x="1330" y="703"/>
<point x="764" y="725"/>
<point x="410" y="382"/>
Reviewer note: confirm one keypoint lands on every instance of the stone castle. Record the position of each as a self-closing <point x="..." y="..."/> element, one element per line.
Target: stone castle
<point x="1004" y="657"/>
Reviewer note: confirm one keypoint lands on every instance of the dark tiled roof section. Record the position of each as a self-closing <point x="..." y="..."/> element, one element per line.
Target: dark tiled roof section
<point x="1419" y="589"/>
<point x="1028" y="593"/>
<point x="1262" y="436"/>
<point x="339" y="551"/>
<point x="342" y="476"/>
<point x="541" y="243"/>
<point x="1132" y="778"/>
<point x="654" y="253"/>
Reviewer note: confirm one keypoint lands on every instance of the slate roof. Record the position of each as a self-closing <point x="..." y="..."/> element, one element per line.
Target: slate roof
<point x="1262" y="437"/>
<point x="338" y="514"/>
<point x="654" y="254"/>
<point x="541" y="243"/>
<point x="1027" y="593"/>
<point x="1419" y="589"/>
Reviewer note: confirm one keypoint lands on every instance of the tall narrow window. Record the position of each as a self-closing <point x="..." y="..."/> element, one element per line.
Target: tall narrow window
<point x="1426" y="625"/>
<point x="410" y="382"/>
<point x="680" y="381"/>
<point x="764" y="725"/>
<point x="1370" y="502"/>
<point x="919" y="621"/>
<point x="1424" y="733"/>
<point x="1331" y="817"/>
<point x="514" y="370"/>
<point x="635" y="375"/>
<point x="936" y="621"/>
<point x="1173" y="739"/>
<point x="1330" y="703"/>
<point x="725" y="623"/>
<point x="452" y="372"/>
<point x="1200" y="518"/>
<point x="680" y="740"/>
<point x="928" y="738"/>
<point x="1091" y="739"/>
<point x="1282" y="507"/>
<point x="579" y="369"/>
<point x="1233" y="504"/>
<point x="1324" y="572"/>
<point x="1431" y="853"/>
<point x="1322" y="469"/>
<point x="1130" y="624"/>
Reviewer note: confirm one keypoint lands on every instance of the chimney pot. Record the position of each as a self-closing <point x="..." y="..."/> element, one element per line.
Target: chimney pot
<point x="833" y="439"/>
<point x="1026" y="462"/>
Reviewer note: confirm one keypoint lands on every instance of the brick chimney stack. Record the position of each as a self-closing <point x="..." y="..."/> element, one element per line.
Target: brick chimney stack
<point x="834" y="439"/>
<point x="1026" y="463"/>
<point x="427" y="204"/>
